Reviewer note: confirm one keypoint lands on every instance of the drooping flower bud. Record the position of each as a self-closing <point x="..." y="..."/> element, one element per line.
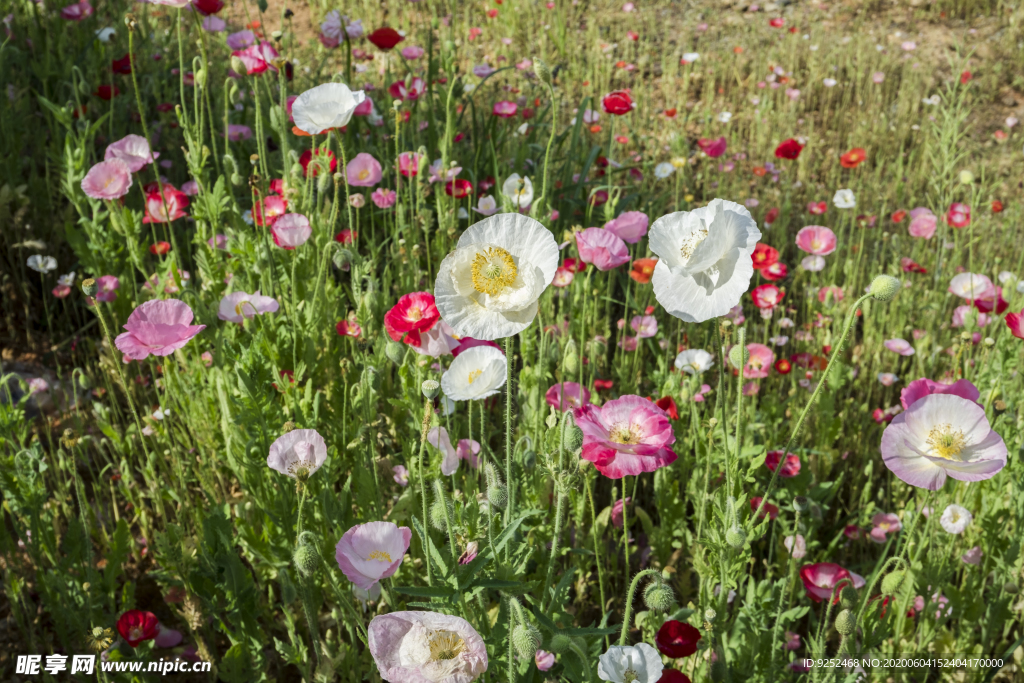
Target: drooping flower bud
<point x="572" y="436"/>
<point x="395" y="351"/>
<point x="659" y="597"/>
<point x="738" y="356"/>
<point x="892" y="582"/>
<point x="848" y="598"/>
<point x="497" y="492"/>
<point x="571" y="358"/>
<point x="542" y="70"/>
<point x="559" y="643"/>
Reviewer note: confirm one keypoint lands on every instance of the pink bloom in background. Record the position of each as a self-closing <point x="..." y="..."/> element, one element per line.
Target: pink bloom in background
<point x="616" y="513"/>
<point x="645" y="326"/>
<point x="438" y="438"/>
<point x="713" y="148"/>
<point x="401" y="645"/>
<point x="760" y="362"/>
<point x="364" y="108"/>
<point x="631" y="226"/>
<point x="167" y="637"/>
<point x="237" y="132"/>
<point x="190" y="188"/>
<point x="257" y="58"/>
<point x="553" y="396"/>
<point x="544" y="660"/>
<point x="922" y="223"/>
<point x="61" y="291"/>
<point x="412" y="52"/>
<point x="107" y="180"/>
<point x="169" y="208"/>
<point x="298" y="453"/>
<point x="77" y="11"/>
<point x="821" y="579"/>
<point x="401" y="475"/>
<point x="384" y="198"/>
<point x="627" y="435"/>
<point x="971" y="286"/>
<point x="877" y="77"/>
<point x="836" y="294"/>
<point x="132" y="150"/>
<point x="962" y="313"/>
<point x="790" y="468"/>
<point x="900" y="346"/>
<point x="239" y="306"/>
<point x="972" y="556"/>
<point x="797" y="547"/>
<point x="992" y="301"/>
<point x="505" y="109"/>
<point x="766" y="296"/>
<point x="469" y="450"/>
<point x="564" y="277"/>
<point x="1015" y="321"/>
<point x="408" y="163"/>
<point x="373" y="551"/>
<point x="817" y="240"/>
<point x="959" y="215"/>
<point x="363" y="171"/>
<point x="884" y="523"/>
<point x="214" y="24"/>
<point x="604" y="249"/>
<point x="108" y="285"/>
<point x="291" y="230"/>
<point x="158" y="327"/>
<point x="411" y="92"/>
<point x="37" y="385"/>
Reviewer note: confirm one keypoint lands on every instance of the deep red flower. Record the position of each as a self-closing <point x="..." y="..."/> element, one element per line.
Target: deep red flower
<point x="346" y="236"/>
<point x="414" y="313"/>
<point x="771" y="216"/>
<point x="997" y="206"/>
<point x="307" y="156"/>
<point x="995" y="302"/>
<point x="673" y="676"/>
<point x="385" y="38"/>
<point x="772" y="510"/>
<point x="788" y="149"/>
<point x="910" y="266"/>
<point x="486" y="184"/>
<point x="122" y="65"/>
<point x="783" y="366"/>
<point x="677" y="639"/>
<point x="208" y="7"/>
<point x="764" y="255"/>
<point x="898" y="216"/>
<point x="790" y="466"/>
<point x="965" y="76"/>
<point x="136" y="626"/>
<point x="617" y="102"/>
<point x="107" y="92"/>
<point x="159" y="248"/>
<point x="458" y="188"/>
<point x="777" y="22"/>
<point x="574" y="265"/>
<point x="598" y="198"/>
<point x="667" y="404"/>
<point x="603" y="384"/>
<point x="670" y="113"/>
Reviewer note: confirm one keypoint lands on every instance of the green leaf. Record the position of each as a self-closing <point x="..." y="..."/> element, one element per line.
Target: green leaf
<point x="435" y="555"/>
<point x="426" y="591"/>
<point x="235" y="666"/>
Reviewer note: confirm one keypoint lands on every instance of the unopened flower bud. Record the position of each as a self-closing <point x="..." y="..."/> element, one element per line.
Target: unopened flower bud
<point x="848" y="598"/>
<point x="885" y="287"/>
<point x="572" y="437"/>
<point x="892" y="582"/>
<point x="989" y="342"/>
<point x="738" y="356"/>
<point x="526" y="640"/>
<point x="542" y="70"/>
<point x="571" y="358"/>
<point x="237" y="65"/>
<point x="430" y="388"/>
<point x="441" y="510"/>
<point x="659" y="597"/>
<point x="846" y="623"/>
<point x="89" y="287"/>
<point x="306" y="560"/>
<point x="736" y="537"/>
<point x="559" y="643"/>
<point x="1011" y="588"/>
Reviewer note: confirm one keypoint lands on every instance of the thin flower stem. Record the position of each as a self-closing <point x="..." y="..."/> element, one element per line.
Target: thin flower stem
<point x="628" y="611"/>
<point x="597" y="550"/>
<point x="509" y="362"/>
<point x="559" y="510"/>
<point x="424" y="428"/>
<point x="625" y="523"/>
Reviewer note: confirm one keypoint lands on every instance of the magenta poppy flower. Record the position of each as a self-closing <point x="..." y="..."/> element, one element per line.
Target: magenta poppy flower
<point x="884" y="524"/>
<point x="1015" y="321"/>
<point x="108" y="285"/>
<point x="77" y="12"/>
<point x="616" y="513"/>
<point x="135" y="626"/>
<point x="631" y="226"/>
<point x="822" y="579"/>
<point x="257" y="58"/>
<point x="414" y="647"/>
<point x="505" y="109"/>
<point x="766" y="296"/>
<point x="291" y="230"/>
<point x="132" y="150"/>
<point x="817" y="240"/>
<point x="298" y="453"/>
<point x="959" y="215"/>
<point x="413" y="314"/>
<point x="627" y="435"/>
<point x="158" y="327"/>
<point x="373" y="551"/>
<point x="107" y="180"/>
<point x="790" y="467"/>
<point x="363" y="171"/>
<point x="940" y="435"/>
<point x="713" y="148"/>
<point x="239" y="306"/>
<point x="554" y="396"/>
<point x="992" y="301"/>
<point x="409" y="163"/>
<point x="604" y="249"/>
<point x="408" y="92"/>
<point x="384" y="198"/>
<point x="238" y="132"/>
<point x="922" y="223"/>
<point x="170" y="207"/>
<point x="920" y="388"/>
<point x="760" y="362"/>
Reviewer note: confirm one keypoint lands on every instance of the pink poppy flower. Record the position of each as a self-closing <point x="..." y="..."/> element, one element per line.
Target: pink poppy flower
<point x="384" y="198"/>
<point x="505" y="109"/>
<point x="239" y="306"/>
<point x="972" y="286"/>
<point x="884" y="523"/>
<point x="190" y="188"/>
<point x="797" y="547"/>
<point x="553" y="396"/>
<point x="273" y="207"/>
<point x="822" y="579"/>
<point x="77" y="12"/>
<point x="159" y="327"/>
<point x="713" y="148"/>
<point x="108" y="285"/>
<point x="992" y="301"/>
<point x="363" y="171"/>
<point x="348" y="328"/>
<point x="132" y="150"/>
<point x="107" y="180"/>
<point x="959" y="215"/>
<point x="631" y="226"/>
<point x="414" y="647"/>
<point x="900" y="346"/>
<point x="408" y="163"/>
<point x="408" y="92"/>
<point x="291" y="230"/>
<point x="238" y="132"/>
<point x="760" y="362"/>
<point x="790" y="468"/>
<point x="604" y="249"/>
<point x="439" y="439"/>
<point x="469" y="450"/>
<point x="616" y="513"/>
<point x="922" y="223"/>
<point x="775" y="272"/>
<point x="817" y="240"/>
<point x="298" y="453"/>
<point x="257" y="58"/>
<point x="972" y="556"/>
<point x="833" y="292"/>
<point x="544" y="660"/>
<point x="412" y="52"/>
<point x="564" y="277"/>
<point x="961" y="314"/>
<point x="766" y="296"/>
<point x="1015" y="321"/>
<point x="645" y="326"/>
<point x="61" y="291"/>
<point x="173" y="203"/>
<point x="627" y="435"/>
<point x="413" y="314"/>
<point x="373" y="551"/>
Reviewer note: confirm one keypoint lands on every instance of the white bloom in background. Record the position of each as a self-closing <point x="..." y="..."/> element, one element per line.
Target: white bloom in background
<point x="105" y="34"/>
<point x="829" y="82"/>
<point x="477" y="372"/>
<point x="247" y="216"/>
<point x="813" y="263"/>
<point x="519" y="190"/>
<point x="488" y="287"/>
<point x="705" y="263"/>
<point x="639" y="663"/>
<point x="469" y="87"/>
<point x="42" y="264"/>
<point x="724" y="117"/>
<point x="326" y="106"/>
<point x="67" y="280"/>
<point x="298" y="454"/>
<point x="934" y="100"/>
<point x="663" y="170"/>
<point x="1006" y="276"/>
<point x="690" y="57"/>
<point x="239" y="306"/>
<point x="971" y="286"/>
<point x="694" y="361"/>
<point x="521" y="130"/>
<point x="160" y="413"/>
<point x="486" y="206"/>
<point x="796" y="546"/>
<point x="955" y="519"/>
<point x="462" y="213"/>
<point x="844" y="199"/>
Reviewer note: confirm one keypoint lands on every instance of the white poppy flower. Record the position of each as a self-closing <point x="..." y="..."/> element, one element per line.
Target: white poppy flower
<point x="488" y="287"/>
<point x="955" y="519"/>
<point x="105" y="34"/>
<point x="844" y="199"/>
<point x="67" y="280"/>
<point x="694" y="361"/>
<point x="42" y="264"/>
<point x="690" y="57"/>
<point x="519" y="190"/>
<point x="813" y="263"/>
<point x="486" y="206"/>
<point x="725" y="117"/>
<point x="477" y="372"/>
<point x="663" y="170"/>
<point x="630" y="664"/>
<point x="705" y="263"/>
<point x="326" y="106"/>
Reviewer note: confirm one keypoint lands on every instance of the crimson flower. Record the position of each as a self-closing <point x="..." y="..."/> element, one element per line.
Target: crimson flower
<point x="159" y="248"/>
<point x="122" y="65"/>
<point x="107" y="92"/>
<point x="458" y="188"/>
<point x="788" y="149"/>
<point x="307" y="156"/>
<point x="775" y="272"/>
<point x="1015" y="321"/>
<point x="772" y="510"/>
<point x="817" y="208"/>
<point x="997" y="206"/>
<point x="676" y="639"/>
<point x="910" y="266"/>
<point x="790" y="466"/>
<point x="898" y="216"/>
<point x="764" y="256"/>
<point x="767" y="296"/>
<point x="414" y="313"/>
<point x="603" y="384"/>
<point x="783" y="366"/>
<point x="771" y="216"/>
<point x="208" y="7"/>
<point x="385" y="38"/>
<point x="136" y="626"/>
<point x="777" y="22"/>
<point x="673" y="676"/>
<point x="713" y="148"/>
<point x="668" y="404"/>
<point x="618" y="103"/>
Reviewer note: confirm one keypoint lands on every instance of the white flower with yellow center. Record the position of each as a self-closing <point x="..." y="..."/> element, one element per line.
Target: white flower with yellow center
<point x="477" y="372"/>
<point x="519" y="190"/>
<point x="417" y="647"/>
<point x="694" y="361"/>
<point x="489" y="286"/>
<point x="705" y="262"/>
<point x="639" y="663"/>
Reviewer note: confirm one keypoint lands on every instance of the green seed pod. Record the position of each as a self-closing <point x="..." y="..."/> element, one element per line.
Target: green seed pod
<point x="801" y="504"/>
<point x="571" y="358"/>
<point x="1011" y="588"/>
<point x="738" y="356"/>
<point x="89" y="287"/>
<point x="430" y="389"/>
<point x="848" y="598"/>
<point x="559" y="643"/>
<point x="710" y="614"/>
<point x="526" y="640"/>
<point x="846" y="623"/>
<point x="892" y="582"/>
<point x="736" y="537"/>
<point x="659" y="597"/>
<point x="395" y="351"/>
<point x="885" y="287"/>
<point x="306" y="560"/>
<point x="237" y="180"/>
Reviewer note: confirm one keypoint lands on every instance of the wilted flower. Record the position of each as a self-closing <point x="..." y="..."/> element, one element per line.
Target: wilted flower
<point x="412" y="647"/>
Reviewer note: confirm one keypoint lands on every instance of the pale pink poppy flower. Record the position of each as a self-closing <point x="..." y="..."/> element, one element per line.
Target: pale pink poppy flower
<point x="922" y="223"/>
<point x="218" y="241"/>
<point x="384" y="198"/>
<point x="797" y="547"/>
<point x="38" y="385"/>
<point x="239" y="306"/>
<point x="298" y="453"/>
<point x="699" y="396"/>
<point x="628" y="7"/>
<point x="524" y="65"/>
<point x="505" y="109"/>
<point x="813" y="264"/>
<point x="158" y="327"/>
<point x="817" y="240"/>
<point x="751" y="389"/>
<point x="416" y="647"/>
<point x="645" y="326"/>
<point x="373" y="551"/>
<point x="486" y="206"/>
<point x="563" y="277"/>
<point x="884" y="523"/>
<point x="760" y="362"/>
<point x="412" y="52"/>
<point x="190" y="188"/>
<point x="887" y="379"/>
<point x="920" y="388"/>
<point x="401" y="475"/>
<point x="132" y="150"/>
<point x="962" y="313"/>
<point x="241" y="40"/>
<point x="972" y="556"/>
<point x="438" y="438"/>
<point x="167" y="637"/>
<point x="77" y="12"/>
<point x="628" y="343"/>
<point x="469" y="450"/>
<point x="908" y="45"/>
<point x="826" y="580"/>
<point x="602" y="248"/>
<point x="972" y="286"/>
<point x="831" y="292"/>
<point x="553" y="396"/>
<point x="544" y="660"/>
<point x="61" y="291"/>
<point x="793" y="94"/>
<point x="900" y="346"/>
<point x="238" y="132"/>
<point x="627" y="435"/>
<point x="207" y="359"/>
<point x="363" y="171"/>
<point x="291" y="230"/>
<point x="214" y="24"/>
<point x="107" y="180"/>
<point x="108" y="285"/>
<point x="438" y="341"/>
<point x="792" y="641"/>
<point x="631" y="226"/>
<point x="877" y="77"/>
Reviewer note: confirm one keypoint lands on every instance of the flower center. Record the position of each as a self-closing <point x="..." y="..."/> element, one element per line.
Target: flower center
<point x="135" y="634"/>
<point x="474" y="375"/>
<point x="493" y="271"/>
<point x="946" y="442"/>
<point x="445" y="645"/>
<point x="414" y="313"/>
<point x="624" y="434"/>
<point x="692" y="241"/>
<point x="816" y="245"/>
<point x="380" y="556"/>
<point x="630" y="675"/>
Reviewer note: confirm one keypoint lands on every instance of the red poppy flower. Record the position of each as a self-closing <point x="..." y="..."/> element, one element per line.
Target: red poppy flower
<point x="385" y="38"/>
<point x="346" y="236"/>
<point x="790" y="465"/>
<point x="788" y="149"/>
<point x="159" y="248"/>
<point x="346" y="328"/>
<point x="909" y="266"/>
<point x="272" y="207"/>
<point x="994" y="302"/>
<point x="670" y="113"/>
<point x="107" y="92"/>
<point x="414" y="313"/>
<point x="669" y="406"/>
<point x="771" y="216"/>
<point x="122" y="65"/>
<point x="603" y="384"/>
<point x="775" y="272"/>
<point x="764" y="256"/>
<point x="772" y="510"/>
<point x="853" y="158"/>
<point x="766" y="296"/>
<point x="642" y="270"/>
<point x="965" y="76"/>
<point x="598" y="198"/>
<point x="574" y="265"/>
<point x="458" y="188"/>
<point x="997" y="206"/>
<point x="959" y="215"/>
<point x="677" y="639"/>
<point x="898" y="216"/>
<point x="492" y="13"/>
<point x="783" y="366"/>
<point x="817" y="208"/>
<point x="307" y="156"/>
<point x="673" y="676"/>
<point x="777" y="22"/>
<point x="633" y="35"/>
<point x="208" y="7"/>
<point x="136" y="626"/>
<point x="618" y="102"/>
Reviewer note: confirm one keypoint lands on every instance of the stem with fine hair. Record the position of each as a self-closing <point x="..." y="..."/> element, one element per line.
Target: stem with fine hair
<point x="628" y="611"/>
<point x="424" y="428"/>
<point x="559" y="509"/>
<point x="508" y="435"/>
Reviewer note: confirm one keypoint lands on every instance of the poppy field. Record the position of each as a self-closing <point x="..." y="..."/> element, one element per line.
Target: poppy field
<point x="512" y="342"/>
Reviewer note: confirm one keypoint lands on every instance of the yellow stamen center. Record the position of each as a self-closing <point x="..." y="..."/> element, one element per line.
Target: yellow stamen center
<point x="414" y="313"/>
<point x="474" y="375"/>
<point x="624" y="434"/>
<point x="946" y="442"/>
<point x="692" y="241"/>
<point x="494" y="269"/>
<point x="380" y="556"/>
<point x="445" y="645"/>
<point x="364" y="174"/>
